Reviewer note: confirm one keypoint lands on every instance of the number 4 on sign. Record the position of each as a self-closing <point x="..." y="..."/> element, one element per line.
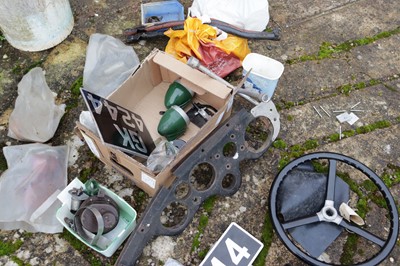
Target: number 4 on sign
<point x="235" y="252"/>
<point x="241" y="251"/>
<point x="235" y="247"/>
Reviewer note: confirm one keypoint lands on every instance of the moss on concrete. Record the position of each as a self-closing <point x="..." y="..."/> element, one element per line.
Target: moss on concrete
<point x="329" y="50"/>
<point x="8" y="247"/>
<point x="208" y="206"/>
<point x="293" y="151"/>
<point x="279" y="144"/>
<point x="349" y="250"/>
<point x="19" y="262"/>
<point x="84" y="250"/>
<point x="140" y="199"/>
<point x="266" y="239"/>
<point x="347" y="88"/>
<point x="20" y="69"/>
<point x="75" y="93"/>
<point x="374" y="126"/>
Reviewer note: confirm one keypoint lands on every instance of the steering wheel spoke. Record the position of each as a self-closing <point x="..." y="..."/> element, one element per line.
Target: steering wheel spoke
<point x="330" y="190"/>
<point x="363" y="233"/>
<point x="300" y="222"/>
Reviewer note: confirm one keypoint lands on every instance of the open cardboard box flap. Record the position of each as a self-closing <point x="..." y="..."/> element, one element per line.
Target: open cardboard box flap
<point x="200" y="83"/>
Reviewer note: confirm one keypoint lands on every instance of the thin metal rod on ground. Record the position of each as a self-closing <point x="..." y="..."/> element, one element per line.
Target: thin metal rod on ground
<point x="355" y="105"/>
<point x="317" y="111"/>
<point x="325" y="111"/>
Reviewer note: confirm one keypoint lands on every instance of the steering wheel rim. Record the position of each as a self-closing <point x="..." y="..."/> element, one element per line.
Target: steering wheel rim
<point x="281" y="229"/>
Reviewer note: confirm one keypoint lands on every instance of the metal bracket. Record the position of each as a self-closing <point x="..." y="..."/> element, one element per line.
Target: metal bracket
<point x="226" y="178"/>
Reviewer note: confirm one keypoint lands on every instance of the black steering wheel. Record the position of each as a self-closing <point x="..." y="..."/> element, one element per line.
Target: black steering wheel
<point x="317" y="213"/>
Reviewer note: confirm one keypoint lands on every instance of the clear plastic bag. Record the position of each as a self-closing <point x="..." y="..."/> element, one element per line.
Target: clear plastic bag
<point x="36" y="174"/>
<point x="36" y="115"/>
<point x="245" y="14"/>
<point x="109" y="62"/>
<point x="161" y="156"/>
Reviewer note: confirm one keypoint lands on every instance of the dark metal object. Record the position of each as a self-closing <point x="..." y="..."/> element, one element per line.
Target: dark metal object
<point x="226" y="181"/>
<point x="327" y="212"/>
<point x="144" y="32"/>
<point x="96" y="215"/>
<point x="108" y="209"/>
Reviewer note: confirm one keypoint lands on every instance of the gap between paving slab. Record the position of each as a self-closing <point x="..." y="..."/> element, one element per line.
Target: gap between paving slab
<point x="378" y="102"/>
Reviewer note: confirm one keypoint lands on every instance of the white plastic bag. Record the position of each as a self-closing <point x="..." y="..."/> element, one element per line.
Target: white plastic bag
<point x="36" y="115"/>
<point x="36" y="174"/>
<point x="109" y="62"/>
<point x="245" y="14"/>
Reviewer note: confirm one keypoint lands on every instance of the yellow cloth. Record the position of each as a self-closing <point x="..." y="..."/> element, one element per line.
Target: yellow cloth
<point x="185" y="43"/>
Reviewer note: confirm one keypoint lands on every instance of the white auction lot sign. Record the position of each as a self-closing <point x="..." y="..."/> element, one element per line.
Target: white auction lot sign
<point x="235" y="247"/>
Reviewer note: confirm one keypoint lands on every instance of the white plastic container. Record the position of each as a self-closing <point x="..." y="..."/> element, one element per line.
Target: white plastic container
<point x="164" y="10"/>
<point x="107" y="243"/>
<point x="265" y="73"/>
<point x="35" y="25"/>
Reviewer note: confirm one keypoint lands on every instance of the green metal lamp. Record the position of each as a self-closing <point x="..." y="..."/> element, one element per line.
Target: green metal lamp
<point x="177" y="94"/>
<point x="173" y="123"/>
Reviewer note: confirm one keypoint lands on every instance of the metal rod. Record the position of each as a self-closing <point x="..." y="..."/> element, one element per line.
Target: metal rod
<point x="355" y="105"/>
<point x="244" y="93"/>
<point x="357" y="110"/>
<point x="340" y="132"/>
<point x="195" y="63"/>
<point x="325" y="111"/>
<point x="317" y="111"/>
<point x="248" y="98"/>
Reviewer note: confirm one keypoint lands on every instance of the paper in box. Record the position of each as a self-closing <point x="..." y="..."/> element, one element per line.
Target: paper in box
<point x="143" y="94"/>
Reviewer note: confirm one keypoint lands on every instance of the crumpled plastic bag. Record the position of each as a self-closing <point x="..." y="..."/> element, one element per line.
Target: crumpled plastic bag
<point x="161" y="156"/>
<point x="109" y="62"/>
<point x="86" y="119"/>
<point x="36" y="174"/>
<point x="36" y="115"/>
<point x="201" y="40"/>
<point x="244" y="14"/>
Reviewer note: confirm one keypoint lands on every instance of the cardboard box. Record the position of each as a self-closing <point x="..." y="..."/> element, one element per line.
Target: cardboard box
<point x="143" y="93"/>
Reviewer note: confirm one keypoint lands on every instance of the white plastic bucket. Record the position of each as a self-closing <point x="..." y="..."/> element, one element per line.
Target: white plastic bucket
<point x="35" y="25"/>
<point x="265" y="73"/>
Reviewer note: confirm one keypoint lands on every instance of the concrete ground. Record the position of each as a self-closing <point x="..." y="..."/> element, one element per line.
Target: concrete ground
<point x="336" y="53"/>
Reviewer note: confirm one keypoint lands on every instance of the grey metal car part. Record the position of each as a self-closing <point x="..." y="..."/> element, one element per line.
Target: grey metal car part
<point x="226" y="178"/>
<point x="323" y="210"/>
<point x="77" y="197"/>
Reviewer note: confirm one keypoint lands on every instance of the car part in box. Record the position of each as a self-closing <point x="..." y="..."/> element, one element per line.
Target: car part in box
<point x="184" y="194"/>
<point x="305" y="206"/>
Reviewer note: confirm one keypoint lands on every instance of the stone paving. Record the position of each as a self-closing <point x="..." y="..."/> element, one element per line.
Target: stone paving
<point x="336" y="53"/>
